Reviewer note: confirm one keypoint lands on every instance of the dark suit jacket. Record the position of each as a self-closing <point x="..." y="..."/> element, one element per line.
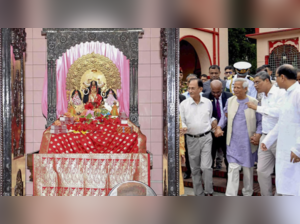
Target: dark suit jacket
<point x="206" y="86"/>
<point x="181" y="98"/>
<point x="221" y="141"/>
<point x="225" y="96"/>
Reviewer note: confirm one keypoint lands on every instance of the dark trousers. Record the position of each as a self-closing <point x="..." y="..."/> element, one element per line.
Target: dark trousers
<point x="187" y="161"/>
<point x="219" y="143"/>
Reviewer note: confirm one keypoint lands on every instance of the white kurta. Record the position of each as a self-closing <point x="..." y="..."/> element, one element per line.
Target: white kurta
<point x="287" y="133"/>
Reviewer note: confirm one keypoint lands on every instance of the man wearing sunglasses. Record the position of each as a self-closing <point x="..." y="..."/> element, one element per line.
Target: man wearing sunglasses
<point x="229" y="71"/>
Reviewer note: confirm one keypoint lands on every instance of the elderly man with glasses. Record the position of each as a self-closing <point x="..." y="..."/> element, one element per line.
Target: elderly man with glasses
<point x="243" y="134"/>
<point x="271" y="101"/>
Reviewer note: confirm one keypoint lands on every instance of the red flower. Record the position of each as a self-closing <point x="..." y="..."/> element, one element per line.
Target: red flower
<point x="89" y="106"/>
<point x="100" y="118"/>
<point x="82" y="119"/>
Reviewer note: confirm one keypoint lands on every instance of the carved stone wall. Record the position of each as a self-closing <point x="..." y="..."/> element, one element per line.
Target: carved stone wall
<point x="15" y="38"/>
<point x="59" y="40"/>
<point x="17" y="89"/>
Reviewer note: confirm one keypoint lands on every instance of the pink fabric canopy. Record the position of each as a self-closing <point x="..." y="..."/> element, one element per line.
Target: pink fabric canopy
<point x="67" y="59"/>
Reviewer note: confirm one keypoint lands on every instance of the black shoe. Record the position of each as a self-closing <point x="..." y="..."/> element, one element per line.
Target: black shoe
<point x="186" y="176"/>
<point x="209" y="195"/>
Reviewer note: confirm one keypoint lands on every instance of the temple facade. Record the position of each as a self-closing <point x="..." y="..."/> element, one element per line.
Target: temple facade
<point x="277" y="46"/>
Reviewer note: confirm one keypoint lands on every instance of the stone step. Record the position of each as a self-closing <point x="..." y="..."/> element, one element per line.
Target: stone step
<point x="220" y="186"/>
<point x="222" y="174"/>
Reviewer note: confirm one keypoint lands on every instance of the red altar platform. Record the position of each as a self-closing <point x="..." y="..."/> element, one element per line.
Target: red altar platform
<point x="90" y="160"/>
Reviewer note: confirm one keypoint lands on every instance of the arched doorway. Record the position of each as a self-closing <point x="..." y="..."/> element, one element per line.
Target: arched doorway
<point x="284" y="54"/>
<point x="201" y="60"/>
<point x="189" y="61"/>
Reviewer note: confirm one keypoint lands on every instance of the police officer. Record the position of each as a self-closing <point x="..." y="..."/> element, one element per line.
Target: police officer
<point x="242" y="71"/>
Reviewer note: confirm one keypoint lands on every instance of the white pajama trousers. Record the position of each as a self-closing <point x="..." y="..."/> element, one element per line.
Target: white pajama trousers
<point x="234" y="180"/>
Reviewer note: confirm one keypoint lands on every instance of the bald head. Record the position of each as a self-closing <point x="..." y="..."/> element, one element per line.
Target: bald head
<point x="288" y="71"/>
<point x="216" y="84"/>
<point x="216" y="88"/>
<point x="288" y="66"/>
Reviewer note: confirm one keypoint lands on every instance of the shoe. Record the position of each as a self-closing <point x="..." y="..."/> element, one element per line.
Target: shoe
<point x="210" y="195"/>
<point x="186" y="176"/>
<point x="218" y="167"/>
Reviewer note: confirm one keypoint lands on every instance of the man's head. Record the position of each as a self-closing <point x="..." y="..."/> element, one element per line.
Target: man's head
<point x="261" y="68"/>
<point x="262" y="82"/>
<point x="214" y="72"/>
<point x="229" y="70"/>
<point x="204" y="78"/>
<point x="285" y="76"/>
<point x="190" y="76"/>
<point x="269" y="70"/>
<point x="240" y="88"/>
<point x="216" y="88"/>
<point x="298" y="75"/>
<point x="242" y="68"/>
<point x="195" y="88"/>
<point x="266" y="68"/>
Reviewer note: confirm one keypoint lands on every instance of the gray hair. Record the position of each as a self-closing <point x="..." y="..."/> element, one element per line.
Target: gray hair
<point x="263" y="75"/>
<point x="191" y="76"/>
<point x="244" y="81"/>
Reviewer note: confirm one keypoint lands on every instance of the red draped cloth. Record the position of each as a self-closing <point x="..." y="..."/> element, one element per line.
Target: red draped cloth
<point x="82" y="164"/>
<point x="101" y="141"/>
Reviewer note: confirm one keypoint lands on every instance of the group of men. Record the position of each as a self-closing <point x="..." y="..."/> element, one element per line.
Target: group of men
<point x="248" y="120"/>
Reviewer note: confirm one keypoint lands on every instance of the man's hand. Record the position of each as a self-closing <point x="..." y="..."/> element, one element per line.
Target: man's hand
<point x="263" y="147"/>
<point x="294" y="158"/>
<point x="218" y="132"/>
<point x="183" y="131"/>
<point x="255" y="139"/>
<point x="214" y="124"/>
<point x="182" y="159"/>
<point x="251" y="105"/>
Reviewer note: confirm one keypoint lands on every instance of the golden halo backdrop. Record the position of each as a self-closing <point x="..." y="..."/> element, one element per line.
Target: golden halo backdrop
<point x="93" y="66"/>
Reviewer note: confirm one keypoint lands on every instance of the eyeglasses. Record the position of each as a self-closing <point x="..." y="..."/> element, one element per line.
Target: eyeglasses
<point x="257" y="82"/>
<point x="228" y="72"/>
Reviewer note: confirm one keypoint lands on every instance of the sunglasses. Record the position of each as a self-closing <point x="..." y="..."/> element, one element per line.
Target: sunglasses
<point x="228" y="72"/>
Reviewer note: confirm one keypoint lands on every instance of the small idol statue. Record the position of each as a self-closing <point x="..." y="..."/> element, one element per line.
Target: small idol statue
<point x="76" y="98"/>
<point x="110" y="97"/>
<point x="114" y="111"/>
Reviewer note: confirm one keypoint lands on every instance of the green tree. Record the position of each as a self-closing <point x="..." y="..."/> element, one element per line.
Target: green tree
<point x="242" y="48"/>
